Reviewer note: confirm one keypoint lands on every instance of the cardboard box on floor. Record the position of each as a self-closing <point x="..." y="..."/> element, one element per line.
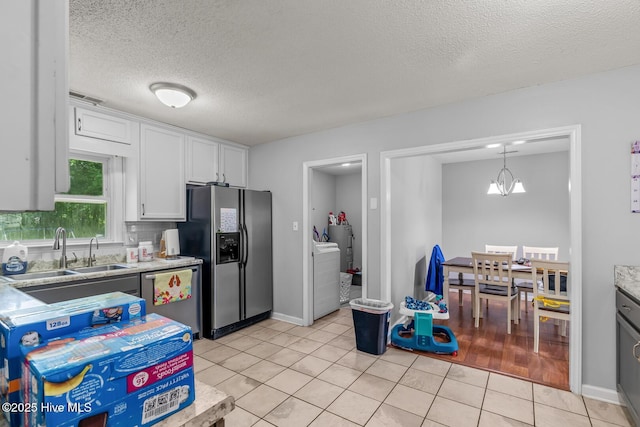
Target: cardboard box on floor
<point x="45" y="322"/>
<point x="127" y="374"/>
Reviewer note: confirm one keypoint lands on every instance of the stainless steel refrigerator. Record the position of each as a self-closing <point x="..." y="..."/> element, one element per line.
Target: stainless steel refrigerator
<point x="230" y="229"/>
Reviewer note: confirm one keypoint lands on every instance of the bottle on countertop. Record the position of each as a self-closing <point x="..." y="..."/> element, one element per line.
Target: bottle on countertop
<point x="332" y="219"/>
<point x="14" y="259"/>
<point x="132" y="254"/>
<point x="145" y="251"/>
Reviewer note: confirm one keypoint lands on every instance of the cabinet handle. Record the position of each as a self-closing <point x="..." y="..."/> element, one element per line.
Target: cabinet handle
<point x="626" y="307"/>
<point x="143" y="209"/>
<point x="634" y="351"/>
<point x="79" y="124"/>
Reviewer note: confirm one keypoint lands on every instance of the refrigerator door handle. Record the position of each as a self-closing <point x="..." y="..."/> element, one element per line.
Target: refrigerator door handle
<point x="246" y="244"/>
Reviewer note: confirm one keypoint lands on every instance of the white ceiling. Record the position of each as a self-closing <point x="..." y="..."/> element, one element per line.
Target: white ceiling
<point x="265" y="70"/>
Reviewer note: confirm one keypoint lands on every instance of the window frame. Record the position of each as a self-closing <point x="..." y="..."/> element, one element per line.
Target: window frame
<point x="113" y="195"/>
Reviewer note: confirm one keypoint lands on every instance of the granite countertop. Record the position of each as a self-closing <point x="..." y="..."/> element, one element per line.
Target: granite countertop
<point x="627" y="278"/>
<point x="210" y="406"/>
<point x="140" y="267"/>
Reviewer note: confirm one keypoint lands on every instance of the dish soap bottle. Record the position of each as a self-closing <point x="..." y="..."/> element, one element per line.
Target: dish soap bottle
<point x="14" y="259"/>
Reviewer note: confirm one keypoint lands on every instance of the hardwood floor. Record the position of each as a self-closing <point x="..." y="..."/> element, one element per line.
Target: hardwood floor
<point x="489" y="347"/>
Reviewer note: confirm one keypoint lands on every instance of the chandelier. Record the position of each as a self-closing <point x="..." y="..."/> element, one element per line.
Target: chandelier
<point x="505" y="184"/>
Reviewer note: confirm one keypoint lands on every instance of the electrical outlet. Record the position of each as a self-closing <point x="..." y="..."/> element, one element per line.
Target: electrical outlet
<point x="295" y="225"/>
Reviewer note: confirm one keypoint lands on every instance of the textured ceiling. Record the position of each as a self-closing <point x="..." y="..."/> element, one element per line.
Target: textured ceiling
<point x="269" y="69"/>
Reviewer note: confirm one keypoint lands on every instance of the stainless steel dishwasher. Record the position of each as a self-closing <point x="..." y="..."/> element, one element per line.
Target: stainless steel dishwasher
<point x="187" y="311"/>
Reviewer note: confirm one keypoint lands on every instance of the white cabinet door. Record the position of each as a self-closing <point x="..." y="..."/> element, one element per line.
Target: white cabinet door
<point x="98" y="132"/>
<point x="202" y="160"/>
<point x="233" y="165"/>
<point x="162" y="184"/>
<point x="33" y="116"/>
<point x="97" y="125"/>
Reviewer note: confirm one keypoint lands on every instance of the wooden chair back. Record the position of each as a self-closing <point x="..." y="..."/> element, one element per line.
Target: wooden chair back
<point x="544" y="273"/>
<point x="494" y="281"/>
<point x="492" y="269"/>
<point x="496" y="249"/>
<point x="534" y="252"/>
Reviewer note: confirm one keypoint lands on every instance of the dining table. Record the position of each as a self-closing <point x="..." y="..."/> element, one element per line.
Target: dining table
<point x="464" y="265"/>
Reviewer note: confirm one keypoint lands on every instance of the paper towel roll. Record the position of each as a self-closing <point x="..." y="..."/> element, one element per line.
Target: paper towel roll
<point x="172" y="242"/>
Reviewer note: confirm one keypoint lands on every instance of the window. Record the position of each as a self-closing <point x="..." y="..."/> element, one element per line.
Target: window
<point x="85" y="211"/>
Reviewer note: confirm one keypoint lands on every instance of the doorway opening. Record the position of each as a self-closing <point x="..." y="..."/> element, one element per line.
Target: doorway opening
<point x="319" y="177"/>
<point x="570" y="134"/>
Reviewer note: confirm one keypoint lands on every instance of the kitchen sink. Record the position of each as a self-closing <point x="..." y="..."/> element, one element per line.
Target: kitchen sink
<point x="58" y="273"/>
<point x="41" y="275"/>
<point x="97" y="268"/>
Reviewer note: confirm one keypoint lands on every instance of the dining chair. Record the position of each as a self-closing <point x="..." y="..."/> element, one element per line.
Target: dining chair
<point x="552" y="297"/>
<point x="533" y="252"/>
<point x="496" y="249"/>
<point x="493" y="276"/>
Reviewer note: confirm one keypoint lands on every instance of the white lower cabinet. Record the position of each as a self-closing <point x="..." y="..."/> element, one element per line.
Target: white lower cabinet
<point x="159" y="193"/>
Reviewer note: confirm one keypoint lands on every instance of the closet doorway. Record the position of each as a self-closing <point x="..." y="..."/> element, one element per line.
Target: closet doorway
<point x="334" y="185"/>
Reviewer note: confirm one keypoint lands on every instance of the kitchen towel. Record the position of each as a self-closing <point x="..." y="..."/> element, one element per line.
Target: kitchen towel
<point x="171" y="287"/>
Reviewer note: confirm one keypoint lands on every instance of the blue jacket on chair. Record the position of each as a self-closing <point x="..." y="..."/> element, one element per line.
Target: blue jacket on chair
<point x="435" y="279"/>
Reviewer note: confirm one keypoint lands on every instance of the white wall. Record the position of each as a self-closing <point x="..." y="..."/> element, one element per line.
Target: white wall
<point x="323" y="200"/>
<point x="605" y="104"/>
<point x="540" y="217"/>
<point x="349" y="200"/>
<point x="416" y="223"/>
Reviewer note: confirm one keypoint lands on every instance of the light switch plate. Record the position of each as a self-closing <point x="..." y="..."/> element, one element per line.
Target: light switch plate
<point x="295" y="225"/>
<point x="373" y="203"/>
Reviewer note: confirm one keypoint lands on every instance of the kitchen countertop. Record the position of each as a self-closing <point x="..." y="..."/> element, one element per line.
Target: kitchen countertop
<point x="211" y="405"/>
<point x="627" y="277"/>
<point x="140" y="267"/>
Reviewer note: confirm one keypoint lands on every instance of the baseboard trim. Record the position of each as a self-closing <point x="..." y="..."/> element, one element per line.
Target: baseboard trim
<point x="602" y="394"/>
<point x="286" y="318"/>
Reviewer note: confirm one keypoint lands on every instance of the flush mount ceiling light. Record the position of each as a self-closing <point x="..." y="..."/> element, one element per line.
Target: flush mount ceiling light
<point x="506" y="184"/>
<point x="172" y="94"/>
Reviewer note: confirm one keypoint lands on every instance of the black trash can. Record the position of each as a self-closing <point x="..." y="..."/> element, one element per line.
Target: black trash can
<point x="371" y="324"/>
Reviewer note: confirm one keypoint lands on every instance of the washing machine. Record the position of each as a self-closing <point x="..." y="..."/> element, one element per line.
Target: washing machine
<point x="326" y="278"/>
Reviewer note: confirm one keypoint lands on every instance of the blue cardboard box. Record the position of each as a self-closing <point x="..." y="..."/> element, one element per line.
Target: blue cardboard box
<point x="128" y="374"/>
<point x="45" y="322"/>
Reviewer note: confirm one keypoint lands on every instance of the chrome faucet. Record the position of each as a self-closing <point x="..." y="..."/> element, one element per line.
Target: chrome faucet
<point x="92" y="258"/>
<point x="56" y="245"/>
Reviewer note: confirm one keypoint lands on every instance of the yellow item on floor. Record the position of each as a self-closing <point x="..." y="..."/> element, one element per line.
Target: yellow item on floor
<point x="171" y="287"/>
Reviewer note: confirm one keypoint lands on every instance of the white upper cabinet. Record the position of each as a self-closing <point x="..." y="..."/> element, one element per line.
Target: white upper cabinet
<point x="33" y="116"/>
<point x="98" y="125"/>
<point x="209" y="160"/>
<point x="233" y="165"/>
<point x="98" y="132"/>
<point x="202" y="160"/>
<point x="160" y="192"/>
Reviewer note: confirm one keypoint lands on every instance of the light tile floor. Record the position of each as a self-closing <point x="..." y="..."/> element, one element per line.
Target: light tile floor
<point x="286" y="375"/>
